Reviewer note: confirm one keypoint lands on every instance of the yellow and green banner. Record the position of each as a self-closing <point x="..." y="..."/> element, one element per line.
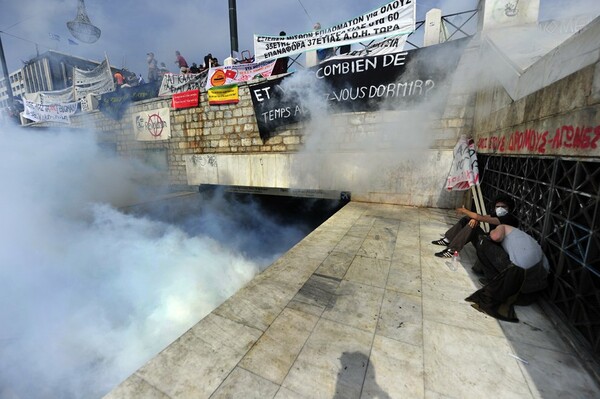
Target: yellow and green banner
<point x="227" y="94"/>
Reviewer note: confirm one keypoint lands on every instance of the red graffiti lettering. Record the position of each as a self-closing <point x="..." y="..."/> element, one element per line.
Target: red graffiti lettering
<point x="533" y="141"/>
<point x="596" y="136"/>
<point x="581" y="138"/>
<point x="576" y="137"/>
<point x="482" y="143"/>
<point x="511" y="141"/>
<point x="557" y="139"/>
<point x="569" y="134"/>
<point x="497" y="143"/>
<point x="530" y="139"/>
<point x="542" y="143"/>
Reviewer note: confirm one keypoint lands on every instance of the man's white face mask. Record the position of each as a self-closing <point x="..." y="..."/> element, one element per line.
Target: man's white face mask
<point x="501" y="212"/>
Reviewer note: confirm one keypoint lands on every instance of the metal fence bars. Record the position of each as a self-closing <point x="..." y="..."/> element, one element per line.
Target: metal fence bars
<point x="558" y="203"/>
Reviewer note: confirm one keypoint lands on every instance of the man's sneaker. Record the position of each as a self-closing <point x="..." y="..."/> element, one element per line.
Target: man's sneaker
<point x="446" y="253"/>
<point x="441" y="241"/>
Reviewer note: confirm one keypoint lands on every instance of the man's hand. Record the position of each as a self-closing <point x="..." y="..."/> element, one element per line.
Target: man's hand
<point x="473" y="223"/>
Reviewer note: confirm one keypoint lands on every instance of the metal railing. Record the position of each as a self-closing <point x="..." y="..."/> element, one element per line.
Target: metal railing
<point x="558" y="203"/>
<point x="447" y="20"/>
<point x="452" y="25"/>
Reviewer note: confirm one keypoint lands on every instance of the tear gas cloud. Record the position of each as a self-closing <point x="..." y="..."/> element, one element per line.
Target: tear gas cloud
<point x="89" y="293"/>
<point x="360" y="151"/>
<point x="363" y="153"/>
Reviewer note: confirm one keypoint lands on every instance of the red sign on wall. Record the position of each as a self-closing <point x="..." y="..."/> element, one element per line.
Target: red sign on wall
<point x="187" y="99"/>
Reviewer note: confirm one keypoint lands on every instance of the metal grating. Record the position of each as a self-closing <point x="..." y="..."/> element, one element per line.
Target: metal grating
<point x="558" y="203"/>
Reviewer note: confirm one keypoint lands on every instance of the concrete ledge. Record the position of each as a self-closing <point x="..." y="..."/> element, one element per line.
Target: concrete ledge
<point x="416" y="181"/>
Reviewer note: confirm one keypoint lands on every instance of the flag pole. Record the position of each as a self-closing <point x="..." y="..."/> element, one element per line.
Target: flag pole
<point x="480" y="205"/>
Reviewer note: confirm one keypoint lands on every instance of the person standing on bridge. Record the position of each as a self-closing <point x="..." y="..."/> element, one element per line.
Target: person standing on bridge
<point x="152" y="68"/>
<point x="119" y="79"/>
<point x="181" y="62"/>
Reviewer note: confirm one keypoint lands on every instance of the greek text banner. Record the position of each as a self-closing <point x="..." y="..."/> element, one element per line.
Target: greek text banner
<point x="388" y="45"/>
<point x="223" y="95"/>
<point x="187" y="99"/>
<point x="115" y="104"/>
<point x="51" y="97"/>
<point x="49" y="113"/>
<point x="173" y="83"/>
<point x="97" y="81"/>
<point x="225" y="75"/>
<point x="394" y="18"/>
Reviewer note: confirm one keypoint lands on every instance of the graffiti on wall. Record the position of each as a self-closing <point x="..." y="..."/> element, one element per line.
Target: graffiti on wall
<point x="565" y="137"/>
<point x="152" y="125"/>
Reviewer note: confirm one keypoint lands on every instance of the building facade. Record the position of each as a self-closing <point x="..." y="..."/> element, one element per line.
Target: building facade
<point x="49" y="71"/>
<point x="17" y="85"/>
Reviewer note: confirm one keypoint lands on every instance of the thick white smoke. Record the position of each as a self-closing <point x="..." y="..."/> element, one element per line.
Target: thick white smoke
<point x="90" y="293"/>
<point x="363" y="152"/>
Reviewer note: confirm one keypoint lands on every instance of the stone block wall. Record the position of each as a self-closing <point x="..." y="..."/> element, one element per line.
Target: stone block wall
<point x="417" y="145"/>
<point x="203" y="130"/>
<point x="560" y="119"/>
<point x="232" y="129"/>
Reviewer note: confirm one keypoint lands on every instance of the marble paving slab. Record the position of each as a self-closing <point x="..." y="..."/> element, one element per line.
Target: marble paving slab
<point x="333" y="362"/>
<point x="272" y="356"/>
<point x="362" y="309"/>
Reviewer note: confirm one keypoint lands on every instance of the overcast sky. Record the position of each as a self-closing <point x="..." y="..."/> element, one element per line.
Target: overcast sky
<point x="130" y="29"/>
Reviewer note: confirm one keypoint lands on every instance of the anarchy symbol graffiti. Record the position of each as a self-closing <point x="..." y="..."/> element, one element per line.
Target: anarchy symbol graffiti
<point x="155" y="125"/>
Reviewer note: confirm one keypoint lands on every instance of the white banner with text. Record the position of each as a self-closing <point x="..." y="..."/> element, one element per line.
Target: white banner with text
<point x="391" y="19"/>
<point x="97" y="81"/>
<point x="238" y="73"/>
<point x="174" y="83"/>
<point x="49" y="113"/>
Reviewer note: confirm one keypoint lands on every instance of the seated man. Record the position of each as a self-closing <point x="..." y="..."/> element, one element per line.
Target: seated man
<point x="467" y="229"/>
<point x="517" y="282"/>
